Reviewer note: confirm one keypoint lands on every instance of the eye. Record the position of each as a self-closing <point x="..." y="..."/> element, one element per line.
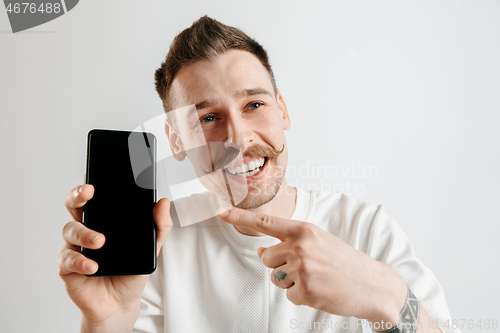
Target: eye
<point x="207" y="118"/>
<point x="255" y="105"/>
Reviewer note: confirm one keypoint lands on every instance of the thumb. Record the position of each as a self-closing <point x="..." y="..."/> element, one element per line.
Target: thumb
<point x="161" y="215"/>
<point x="260" y="251"/>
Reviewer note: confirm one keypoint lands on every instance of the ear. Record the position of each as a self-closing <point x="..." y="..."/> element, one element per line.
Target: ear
<point x="285" y="117"/>
<point x="175" y="142"/>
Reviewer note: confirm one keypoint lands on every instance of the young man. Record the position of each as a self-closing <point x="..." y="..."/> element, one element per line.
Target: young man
<point x="284" y="260"/>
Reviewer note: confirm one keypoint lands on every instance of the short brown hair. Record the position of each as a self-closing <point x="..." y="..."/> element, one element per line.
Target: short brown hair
<point x="205" y="39"/>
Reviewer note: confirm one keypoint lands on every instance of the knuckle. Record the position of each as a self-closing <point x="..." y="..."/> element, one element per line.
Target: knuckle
<point x="265" y="259"/>
<point x="86" y="238"/>
<point x="61" y="259"/>
<point x="298" y="250"/>
<point x="271" y="276"/>
<point x="66" y="200"/>
<point x="74" y="234"/>
<point x="78" y="263"/>
<point x="237" y="215"/>
<point x="264" y="221"/>
<point x="292" y="296"/>
<point x="69" y="199"/>
<point x="77" y="237"/>
<point x="306" y="229"/>
<point x="66" y="260"/>
<point x="309" y="228"/>
<point x="66" y="230"/>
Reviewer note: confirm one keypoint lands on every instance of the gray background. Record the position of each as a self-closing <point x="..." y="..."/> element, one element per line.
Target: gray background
<point x="412" y="88"/>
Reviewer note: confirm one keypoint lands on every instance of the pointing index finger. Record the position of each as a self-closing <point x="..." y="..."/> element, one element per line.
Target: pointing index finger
<point x="269" y="225"/>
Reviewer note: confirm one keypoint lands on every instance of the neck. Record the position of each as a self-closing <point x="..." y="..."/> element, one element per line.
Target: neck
<point x="282" y="205"/>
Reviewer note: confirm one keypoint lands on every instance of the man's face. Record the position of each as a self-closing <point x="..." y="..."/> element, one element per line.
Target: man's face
<point x="234" y="110"/>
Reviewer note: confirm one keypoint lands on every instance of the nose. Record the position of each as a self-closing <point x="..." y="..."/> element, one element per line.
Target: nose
<point x="240" y="132"/>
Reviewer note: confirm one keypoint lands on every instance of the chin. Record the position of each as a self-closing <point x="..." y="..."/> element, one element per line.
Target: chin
<point x="257" y="197"/>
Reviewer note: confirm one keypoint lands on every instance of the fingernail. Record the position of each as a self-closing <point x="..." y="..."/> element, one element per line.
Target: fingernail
<point x="222" y="212"/>
<point x="94" y="238"/>
<point x="89" y="266"/>
<point x="80" y="189"/>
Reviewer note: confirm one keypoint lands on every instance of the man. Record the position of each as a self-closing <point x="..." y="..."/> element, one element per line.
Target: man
<point x="285" y="260"/>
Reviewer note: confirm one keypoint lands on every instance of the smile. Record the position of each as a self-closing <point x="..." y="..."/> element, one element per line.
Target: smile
<point x="248" y="169"/>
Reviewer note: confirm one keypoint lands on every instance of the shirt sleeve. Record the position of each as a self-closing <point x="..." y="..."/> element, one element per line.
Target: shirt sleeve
<point x="388" y="243"/>
<point x="151" y="318"/>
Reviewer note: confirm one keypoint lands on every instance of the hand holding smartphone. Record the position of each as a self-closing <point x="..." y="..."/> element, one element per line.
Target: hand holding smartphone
<point x="121" y="165"/>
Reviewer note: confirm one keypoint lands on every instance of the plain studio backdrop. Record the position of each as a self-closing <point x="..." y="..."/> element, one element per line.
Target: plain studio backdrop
<point x="398" y="100"/>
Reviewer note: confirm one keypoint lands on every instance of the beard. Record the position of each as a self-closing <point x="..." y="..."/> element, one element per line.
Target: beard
<point x="257" y="196"/>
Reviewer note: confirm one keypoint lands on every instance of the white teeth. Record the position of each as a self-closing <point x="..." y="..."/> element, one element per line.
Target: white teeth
<point x="251" y="173"/>
<point x="241" y="170"/>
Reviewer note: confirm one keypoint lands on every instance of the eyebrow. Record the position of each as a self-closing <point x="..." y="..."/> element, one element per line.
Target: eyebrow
<point x="199" y="106"/>
<point x="252" y="92"/>
<point x="204" y="104"/>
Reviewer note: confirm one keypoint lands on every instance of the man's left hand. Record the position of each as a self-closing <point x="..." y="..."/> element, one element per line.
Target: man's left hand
<point x="319" y="270"/>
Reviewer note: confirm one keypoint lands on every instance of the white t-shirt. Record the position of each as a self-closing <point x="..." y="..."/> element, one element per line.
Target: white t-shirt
<point x="210" y="279"/>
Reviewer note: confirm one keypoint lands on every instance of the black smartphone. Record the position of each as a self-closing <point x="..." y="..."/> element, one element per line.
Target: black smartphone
<point x="121" y="165"/>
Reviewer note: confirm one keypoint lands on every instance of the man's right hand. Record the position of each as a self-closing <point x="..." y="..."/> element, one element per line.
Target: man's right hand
<point x="107" y="303"/>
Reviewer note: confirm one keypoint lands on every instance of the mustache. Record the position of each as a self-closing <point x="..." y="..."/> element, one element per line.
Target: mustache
<point x="254" y="151"/>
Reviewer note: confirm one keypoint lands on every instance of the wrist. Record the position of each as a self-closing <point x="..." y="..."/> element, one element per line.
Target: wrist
<point x="388" y="302"/>
<point x="406" y="321"/>
<point x="120" y="321"/>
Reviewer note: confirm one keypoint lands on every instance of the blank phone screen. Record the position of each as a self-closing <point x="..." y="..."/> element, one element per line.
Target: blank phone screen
<point x="120" y="208"/>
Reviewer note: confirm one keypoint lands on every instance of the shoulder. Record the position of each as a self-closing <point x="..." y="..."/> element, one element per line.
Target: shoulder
<point x="347" y="217"/>
<point x="365" y="226"/>
<point x="342" y="205"/>
<point x="340" y="209"/>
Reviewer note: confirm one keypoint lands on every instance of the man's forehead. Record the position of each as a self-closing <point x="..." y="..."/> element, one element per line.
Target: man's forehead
<point x="234" y="74"/>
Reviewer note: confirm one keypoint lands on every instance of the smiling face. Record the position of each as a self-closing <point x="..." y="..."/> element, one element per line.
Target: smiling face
<point x="234" y="113"/>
